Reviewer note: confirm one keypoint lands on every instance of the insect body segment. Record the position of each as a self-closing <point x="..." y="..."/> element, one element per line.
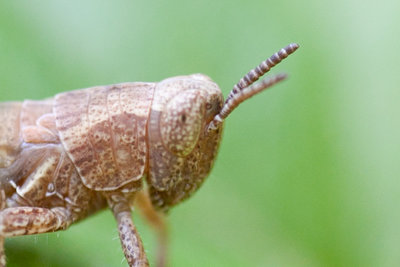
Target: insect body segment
<point x="103" y="130"/>
<point x="145" y="144"/>
<point x="180" y="152"/>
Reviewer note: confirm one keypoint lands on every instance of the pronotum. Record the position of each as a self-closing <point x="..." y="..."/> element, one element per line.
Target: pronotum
<point x="144" y="145"/>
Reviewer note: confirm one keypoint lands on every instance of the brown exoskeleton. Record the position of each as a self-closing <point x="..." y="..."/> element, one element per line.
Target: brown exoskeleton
<point x="144" y="144"/>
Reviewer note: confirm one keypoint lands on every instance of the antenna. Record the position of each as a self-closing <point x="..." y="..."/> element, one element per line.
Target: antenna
<point x="243" y="89"/>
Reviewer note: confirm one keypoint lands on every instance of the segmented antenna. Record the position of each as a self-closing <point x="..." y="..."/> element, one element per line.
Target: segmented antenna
<point x="243" y="89"/>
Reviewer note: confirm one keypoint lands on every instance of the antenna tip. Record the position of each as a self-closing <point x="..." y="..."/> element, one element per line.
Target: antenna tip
<point x="291" y="48"/>
<point x="281" y="76"/>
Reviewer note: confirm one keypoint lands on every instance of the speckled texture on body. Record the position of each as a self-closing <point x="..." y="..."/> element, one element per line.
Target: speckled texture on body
<point x="62" y="159"/>
<point x="178" y="163"/>
<point x="103" y="130"/>
<point x="65" y="158"/>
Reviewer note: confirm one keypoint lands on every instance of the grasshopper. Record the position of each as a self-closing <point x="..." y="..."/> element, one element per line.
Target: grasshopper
<point x="135" y="144"/>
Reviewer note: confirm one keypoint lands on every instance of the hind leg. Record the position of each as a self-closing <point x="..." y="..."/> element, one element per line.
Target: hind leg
<point x="30" y="220"/>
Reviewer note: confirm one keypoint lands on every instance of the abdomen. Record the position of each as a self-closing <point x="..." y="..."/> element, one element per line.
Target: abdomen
<point x="35" y="170"/>
<point x="10" y="139"/>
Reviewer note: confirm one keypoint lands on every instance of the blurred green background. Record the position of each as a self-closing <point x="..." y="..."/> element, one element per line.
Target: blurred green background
<point x="307" y="174"/>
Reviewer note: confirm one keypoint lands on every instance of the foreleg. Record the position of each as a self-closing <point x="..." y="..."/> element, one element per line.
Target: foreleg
<point x="130" y="240"/>
<point x="157" y="221"/>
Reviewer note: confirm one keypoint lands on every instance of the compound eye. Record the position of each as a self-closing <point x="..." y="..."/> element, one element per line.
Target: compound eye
<point x="181" y="122"/>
